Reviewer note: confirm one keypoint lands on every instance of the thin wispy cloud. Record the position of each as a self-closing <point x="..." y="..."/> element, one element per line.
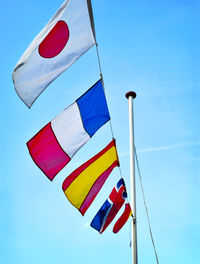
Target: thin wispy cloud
<point x="161" y="148"/>
<point x="174" y="146"/>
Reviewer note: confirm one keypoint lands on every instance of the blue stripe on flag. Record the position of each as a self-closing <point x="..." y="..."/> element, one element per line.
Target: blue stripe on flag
<point x="120" y="183"/>
<point x="93" y="108"/>
<point x="98" y="220"/>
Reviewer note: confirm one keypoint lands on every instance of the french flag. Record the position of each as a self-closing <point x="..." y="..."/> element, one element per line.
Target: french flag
<point x="56" y="143"/>
<point x="110" y="208"/>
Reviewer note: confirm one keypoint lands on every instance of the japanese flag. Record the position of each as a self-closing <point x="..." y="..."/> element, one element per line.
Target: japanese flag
<point x="62" y="41"/>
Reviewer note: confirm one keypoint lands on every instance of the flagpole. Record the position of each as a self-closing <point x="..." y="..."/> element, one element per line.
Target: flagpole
<point x="130" y="96"/>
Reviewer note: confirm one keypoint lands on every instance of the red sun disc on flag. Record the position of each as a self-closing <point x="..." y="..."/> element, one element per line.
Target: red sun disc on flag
<point x="55" y="41"/>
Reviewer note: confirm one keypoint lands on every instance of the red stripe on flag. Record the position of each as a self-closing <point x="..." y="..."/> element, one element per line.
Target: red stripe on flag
<point x="123" y="218"/>
<point x="78" y="171"/>
<point x="46" y="152"/>
<point x="96" y="188"/>
<point x="117" y="204"/>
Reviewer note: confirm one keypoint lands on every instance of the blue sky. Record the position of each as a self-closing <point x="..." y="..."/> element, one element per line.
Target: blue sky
<point x="151" y="47"/>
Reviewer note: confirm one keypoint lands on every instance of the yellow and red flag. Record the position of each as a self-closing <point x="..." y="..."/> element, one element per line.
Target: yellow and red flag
<point x="82" y="185"/>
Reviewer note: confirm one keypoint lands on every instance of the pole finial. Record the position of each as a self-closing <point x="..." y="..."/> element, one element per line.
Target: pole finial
<point x="131" y="93"/>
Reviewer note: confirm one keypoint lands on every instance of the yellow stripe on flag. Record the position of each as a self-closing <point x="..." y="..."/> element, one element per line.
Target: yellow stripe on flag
<point x="81" y="186"/>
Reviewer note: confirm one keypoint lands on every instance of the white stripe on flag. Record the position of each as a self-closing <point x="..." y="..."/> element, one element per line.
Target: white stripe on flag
<point x="69" y="130"/>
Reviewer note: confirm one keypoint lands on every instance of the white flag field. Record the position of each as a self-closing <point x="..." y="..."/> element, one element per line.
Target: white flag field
<point x="62" y="41"/>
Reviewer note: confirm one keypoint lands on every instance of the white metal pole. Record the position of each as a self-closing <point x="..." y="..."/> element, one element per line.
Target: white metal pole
<point x="130" y="96"/>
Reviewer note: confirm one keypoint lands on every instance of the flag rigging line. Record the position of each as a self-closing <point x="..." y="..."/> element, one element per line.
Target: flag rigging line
<point x="136" y="158"/>
<point x="101" y="75"/>
<point x="99" y="61"/>
<point x="145" y="205"/>
<point x="111" y="128"/>
<point x="133" y="215"/>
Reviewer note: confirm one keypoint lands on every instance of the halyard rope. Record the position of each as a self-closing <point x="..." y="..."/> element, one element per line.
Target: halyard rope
<point x="145" y="205"/>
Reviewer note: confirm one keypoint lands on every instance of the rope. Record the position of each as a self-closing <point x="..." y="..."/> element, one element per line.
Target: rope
<point x="111" y="128"/>
<point x="101" y="75"/>
<point x="130" y="238"/>
<point x="139" y="173"/>
<point x="145" y="205"/>
<point x="99" y="62"/>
